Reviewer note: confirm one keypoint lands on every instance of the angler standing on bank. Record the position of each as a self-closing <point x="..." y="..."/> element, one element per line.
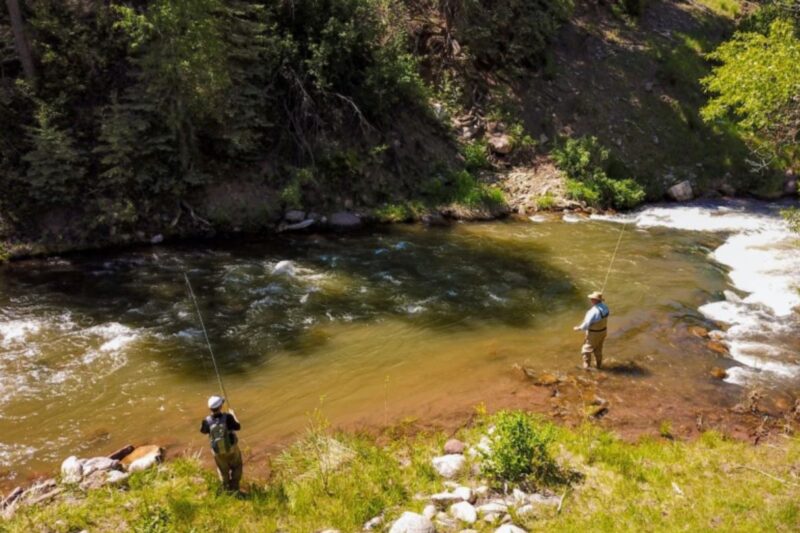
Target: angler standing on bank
<point x="220" y="428"/>
<point x="595" y="324"/>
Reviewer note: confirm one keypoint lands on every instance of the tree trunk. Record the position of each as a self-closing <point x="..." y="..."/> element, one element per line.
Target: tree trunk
<point x="21" y="41"/>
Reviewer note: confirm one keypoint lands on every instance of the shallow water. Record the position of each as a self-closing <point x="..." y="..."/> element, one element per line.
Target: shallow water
<point x="100" y="350"/>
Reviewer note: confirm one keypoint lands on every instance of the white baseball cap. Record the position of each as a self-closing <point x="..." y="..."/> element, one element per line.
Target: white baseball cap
<point x="215" y="402"/>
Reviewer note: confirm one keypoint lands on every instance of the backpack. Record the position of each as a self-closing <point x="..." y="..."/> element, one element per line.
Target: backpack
<point x="221" y="441"/>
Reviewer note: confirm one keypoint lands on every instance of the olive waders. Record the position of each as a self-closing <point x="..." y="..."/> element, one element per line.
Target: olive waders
<point x="229" y="467"/>
<point x="593" y="343"/>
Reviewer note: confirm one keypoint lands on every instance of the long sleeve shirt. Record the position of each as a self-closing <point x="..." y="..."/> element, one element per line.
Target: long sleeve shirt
<point x="595" y="314"/>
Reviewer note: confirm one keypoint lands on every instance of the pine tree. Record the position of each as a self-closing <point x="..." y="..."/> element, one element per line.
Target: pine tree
<point x="56" y="168"/>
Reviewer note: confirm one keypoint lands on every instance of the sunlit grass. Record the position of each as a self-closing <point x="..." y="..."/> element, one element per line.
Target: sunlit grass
<point x="653" y="485"/>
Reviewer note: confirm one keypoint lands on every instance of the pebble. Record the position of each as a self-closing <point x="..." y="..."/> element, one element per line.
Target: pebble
<point x="373" y="523"/>
<point x="454" y="446"/>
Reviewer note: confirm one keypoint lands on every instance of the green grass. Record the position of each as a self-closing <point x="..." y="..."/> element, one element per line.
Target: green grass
<point x="726" y="8"/>
<point x="400" y="212"/>
<point x="545" y="202"/>
<point x="652" y="485"/>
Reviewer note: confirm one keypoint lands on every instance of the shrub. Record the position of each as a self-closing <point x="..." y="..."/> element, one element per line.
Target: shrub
<point x="587" y="163"/>
<point x="546" y="201"/>
<point x="476" y="156"/>
<point x="519" y="450"/>
<point x="467" y="191"/>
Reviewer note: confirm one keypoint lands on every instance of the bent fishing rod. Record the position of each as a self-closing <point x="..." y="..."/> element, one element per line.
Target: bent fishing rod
<point x="208" y="342"/>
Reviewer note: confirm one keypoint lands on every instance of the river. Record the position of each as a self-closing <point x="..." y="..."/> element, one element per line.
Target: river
<point x="101" y="349"/>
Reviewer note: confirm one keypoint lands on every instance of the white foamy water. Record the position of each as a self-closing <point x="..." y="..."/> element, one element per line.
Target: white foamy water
<point x="47" y="356"/>
<point x="763" y="258"/>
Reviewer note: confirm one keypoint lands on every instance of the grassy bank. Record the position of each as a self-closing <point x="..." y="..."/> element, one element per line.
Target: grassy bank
<point x="341" y="481"/>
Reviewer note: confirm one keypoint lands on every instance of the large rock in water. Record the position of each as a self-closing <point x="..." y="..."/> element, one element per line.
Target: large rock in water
<point x="412" y="523"/>
<point x="681" y="192"/>
<point x="294" y="216"/>
<point x="344" y="221"/>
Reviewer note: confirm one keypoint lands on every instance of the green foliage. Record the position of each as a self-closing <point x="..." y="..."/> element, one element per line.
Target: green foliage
<point x="586" y="164"/>
<point x="545" y="202"/>
<point x="756" y="85"/>
<point x="526" y="26"/>
<point x="400" y="212"/>
<point x="464" y="189"/>
<point x="519" y="450"/>
<point x="759" y="20"/>
<point x="55" y="163"/>
<point x="476" y="155"/>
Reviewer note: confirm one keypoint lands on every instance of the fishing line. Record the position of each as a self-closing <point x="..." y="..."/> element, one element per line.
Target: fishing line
<point x="208" y="342"/>
<point x="614" y="256"/>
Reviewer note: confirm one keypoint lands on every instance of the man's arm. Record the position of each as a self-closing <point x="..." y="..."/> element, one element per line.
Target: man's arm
<point x="591" y="316"/>
<point x="204" y="427"/>
<point x="233" y="422"/>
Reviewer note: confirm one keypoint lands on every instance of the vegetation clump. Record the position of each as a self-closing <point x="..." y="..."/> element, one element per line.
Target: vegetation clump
<point x="586" y="163"/>
<point x="519" y="450"/>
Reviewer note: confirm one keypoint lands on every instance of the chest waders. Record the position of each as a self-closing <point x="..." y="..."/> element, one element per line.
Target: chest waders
<point x="595" y="336"/>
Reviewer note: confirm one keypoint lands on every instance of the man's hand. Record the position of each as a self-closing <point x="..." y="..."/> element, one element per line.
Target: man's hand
<point x="576" y="328"/>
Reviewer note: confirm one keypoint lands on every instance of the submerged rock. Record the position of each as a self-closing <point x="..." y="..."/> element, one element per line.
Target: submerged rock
<point x="719" y="373"/>
<point x="412" y="523"/>
<point x="717" y="347"/>
<point x="699" y="331"/>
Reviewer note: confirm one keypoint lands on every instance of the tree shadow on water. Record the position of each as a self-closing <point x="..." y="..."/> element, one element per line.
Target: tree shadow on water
<point x="439" y="279"/>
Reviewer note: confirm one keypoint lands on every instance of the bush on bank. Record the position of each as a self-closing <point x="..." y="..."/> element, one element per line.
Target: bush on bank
<point x="655" y="484"/>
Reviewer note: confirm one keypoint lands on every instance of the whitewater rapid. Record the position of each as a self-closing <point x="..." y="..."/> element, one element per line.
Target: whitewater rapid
<point x="762" y="255"/>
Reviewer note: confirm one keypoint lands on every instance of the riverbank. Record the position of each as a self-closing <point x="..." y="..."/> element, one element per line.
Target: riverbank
<point x="343" y="481"/>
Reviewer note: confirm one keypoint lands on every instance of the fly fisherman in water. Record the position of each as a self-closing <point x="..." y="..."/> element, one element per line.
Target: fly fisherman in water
<point x="595" y="324"/>
<point x="220" y="429"/>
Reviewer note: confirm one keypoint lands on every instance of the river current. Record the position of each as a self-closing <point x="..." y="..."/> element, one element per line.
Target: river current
<point x="98" y="350"/>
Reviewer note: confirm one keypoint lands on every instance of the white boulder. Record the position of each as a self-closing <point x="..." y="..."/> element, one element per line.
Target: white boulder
<point x="96" y="464"/>
<point x="412" y="523"/>
<point x="284" y="268"/>
<point x="448" y="466"/>
<point x="509" y="528"/>
<point x="72" y="470"/>
<point x="465" y="512"/>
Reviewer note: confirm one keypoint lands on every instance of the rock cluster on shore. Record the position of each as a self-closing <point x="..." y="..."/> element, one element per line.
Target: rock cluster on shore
<point x="461" y="506"/>
<point x="86" y="474"/>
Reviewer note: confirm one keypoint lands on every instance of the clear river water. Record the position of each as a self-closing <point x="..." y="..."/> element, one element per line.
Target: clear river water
<point x="101" y="349"/>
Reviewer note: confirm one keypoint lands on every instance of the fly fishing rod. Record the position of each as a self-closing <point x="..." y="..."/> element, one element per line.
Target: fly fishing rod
<point x="208" y="342"/>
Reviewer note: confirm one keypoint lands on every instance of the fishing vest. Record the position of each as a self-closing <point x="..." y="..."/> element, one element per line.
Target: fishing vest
<point x="602" y="324"/>
<point x="222" y="439"/>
